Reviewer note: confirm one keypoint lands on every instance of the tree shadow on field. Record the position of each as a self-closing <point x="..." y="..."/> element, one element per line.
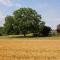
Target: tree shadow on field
<point x="22" y="37"/>
<point x="28" y="36"/>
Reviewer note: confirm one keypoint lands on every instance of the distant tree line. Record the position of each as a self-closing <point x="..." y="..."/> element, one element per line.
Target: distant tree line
<point x="25" y="21"/>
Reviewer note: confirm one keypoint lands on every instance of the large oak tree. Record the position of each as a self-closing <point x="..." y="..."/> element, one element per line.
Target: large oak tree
<point x="28" y="20"/>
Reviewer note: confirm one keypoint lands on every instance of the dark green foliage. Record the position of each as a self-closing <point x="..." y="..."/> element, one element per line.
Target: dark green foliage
<point x="39" y="30"/>
<point x="28" y="20"/>
<point x="25" y="21"/>
<point x="46" y="30"/>
<point x="8" y="26"/>
<point x="1" y="31"/>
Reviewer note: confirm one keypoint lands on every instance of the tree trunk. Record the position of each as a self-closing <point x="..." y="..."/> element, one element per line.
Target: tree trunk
<point x="24" y="35"/>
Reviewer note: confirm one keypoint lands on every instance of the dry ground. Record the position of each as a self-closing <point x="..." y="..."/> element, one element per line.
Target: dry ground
<point x="30" y="48"/>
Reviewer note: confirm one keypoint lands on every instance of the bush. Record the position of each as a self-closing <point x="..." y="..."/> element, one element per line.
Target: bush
<point x="46" y="31"/>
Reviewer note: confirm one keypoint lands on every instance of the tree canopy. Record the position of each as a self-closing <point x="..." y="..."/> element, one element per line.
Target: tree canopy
<point x="8" y="26"/>
<point x="24" y="21"/>
<point x="28" y="20"/>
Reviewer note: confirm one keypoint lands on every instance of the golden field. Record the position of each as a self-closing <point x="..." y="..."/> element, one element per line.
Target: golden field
<point x="44" y="48"/>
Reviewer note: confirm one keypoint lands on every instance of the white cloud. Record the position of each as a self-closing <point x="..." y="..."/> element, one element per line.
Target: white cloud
<point x="6" y="2"/>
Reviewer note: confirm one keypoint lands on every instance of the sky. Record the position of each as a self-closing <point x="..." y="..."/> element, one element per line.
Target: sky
<point x="48" y="9"/>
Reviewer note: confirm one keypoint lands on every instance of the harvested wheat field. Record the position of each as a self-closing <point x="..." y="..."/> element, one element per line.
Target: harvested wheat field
<point x="30" y="48"/>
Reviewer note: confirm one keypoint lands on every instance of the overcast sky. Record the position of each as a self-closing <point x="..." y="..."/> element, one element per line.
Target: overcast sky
<point x="49" y="9"/>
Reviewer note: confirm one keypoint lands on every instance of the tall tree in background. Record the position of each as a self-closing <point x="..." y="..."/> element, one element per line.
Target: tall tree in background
<point x="8" y="26"/>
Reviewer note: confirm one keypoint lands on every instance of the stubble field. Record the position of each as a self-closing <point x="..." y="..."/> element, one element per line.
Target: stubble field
<point x="30" y="48"/>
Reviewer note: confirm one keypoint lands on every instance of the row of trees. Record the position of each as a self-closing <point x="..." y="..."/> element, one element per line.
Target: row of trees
<point x="25" y="21"/>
